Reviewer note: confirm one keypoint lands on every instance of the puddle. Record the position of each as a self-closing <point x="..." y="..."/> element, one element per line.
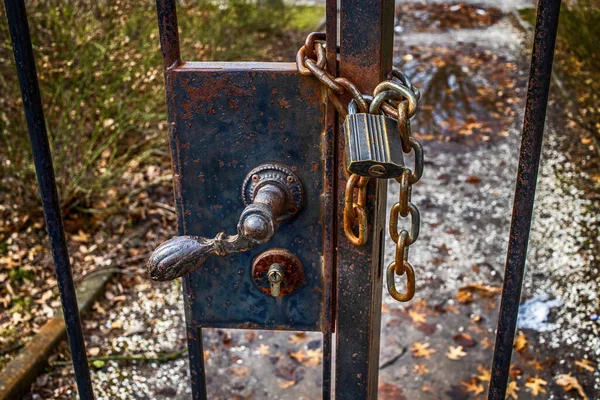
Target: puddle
<point x="533" y="314"/>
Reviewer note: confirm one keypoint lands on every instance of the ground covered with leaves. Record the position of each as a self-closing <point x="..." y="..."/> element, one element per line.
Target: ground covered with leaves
<point x="100" y="72"/>
<point x="470" y="62"/>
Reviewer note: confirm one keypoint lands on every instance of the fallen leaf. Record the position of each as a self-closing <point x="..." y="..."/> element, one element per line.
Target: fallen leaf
<point x="586" y="364"/>
<point x="473" y="386"/>
<point x="417" y="317"/>
<point x="297" y="338"/>
<point x="286" y="384"/>
<point x="422" y="350"/>
<point x="81" y="237"/>
<point x="483" y="289"/>
<point x="299" y="356"/>
<point x="388" y="391"/>
<point x="98" y="364"/>
<point x="310" y="358"/>
<point x="421" y="369"/>
<point x="512" y="389"/>
<point x="314" y="357"/>
<point x="484" y="373"/>
<point x="263" y="349"/>
<point x="569" y="382"/>
<point x="464" y="297"/>
<point x="486" y="343"/>
<point x="455" y="353"/>
<point x="515" y="371"/>
<point x="536" y="385"/>
<point x="520" y="343"/>
<point x="465" y="340"/>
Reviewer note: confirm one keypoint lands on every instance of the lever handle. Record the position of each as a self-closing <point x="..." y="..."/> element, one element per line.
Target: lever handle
<point x="274" y="193"/>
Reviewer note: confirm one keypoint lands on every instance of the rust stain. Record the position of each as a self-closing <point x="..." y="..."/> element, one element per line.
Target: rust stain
<point x="283" y="103"/>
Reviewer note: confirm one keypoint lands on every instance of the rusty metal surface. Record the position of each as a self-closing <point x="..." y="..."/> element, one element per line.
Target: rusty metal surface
<point x="293" y="277"/>
<point x="229" y="118"/>
<point x="366" y="38"/>
<point x="529" y="159"/>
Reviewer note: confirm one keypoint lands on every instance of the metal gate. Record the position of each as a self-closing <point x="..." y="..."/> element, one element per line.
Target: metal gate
<point x="269" y="134"/>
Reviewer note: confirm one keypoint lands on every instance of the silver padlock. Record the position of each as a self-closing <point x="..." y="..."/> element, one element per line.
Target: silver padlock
<point x="373" y="145"/>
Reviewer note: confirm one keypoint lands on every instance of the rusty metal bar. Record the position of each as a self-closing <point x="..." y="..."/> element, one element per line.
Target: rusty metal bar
<point x="34" y="113"/>
<point x="169" y="32"/>
<point x="529" y="160"/>
<point x="330" y="209"/>
<point x="169" y="44"/>
<point x="366" y="44"/>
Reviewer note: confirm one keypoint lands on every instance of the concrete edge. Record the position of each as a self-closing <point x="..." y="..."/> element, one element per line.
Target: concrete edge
<point x="17" y="376"/>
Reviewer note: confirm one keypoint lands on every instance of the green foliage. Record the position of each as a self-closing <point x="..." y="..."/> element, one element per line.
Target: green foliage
<point x="100" y="73"/>
<point x="578" y="59"/>
<point x="20" y="274"/>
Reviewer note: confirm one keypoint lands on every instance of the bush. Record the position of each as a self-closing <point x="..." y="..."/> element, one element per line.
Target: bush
<point x="100" y="74"/>
<point x="578" y="60"/>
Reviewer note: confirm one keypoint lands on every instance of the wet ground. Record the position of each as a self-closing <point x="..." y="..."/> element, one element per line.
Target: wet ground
<point x="474" y="84"/>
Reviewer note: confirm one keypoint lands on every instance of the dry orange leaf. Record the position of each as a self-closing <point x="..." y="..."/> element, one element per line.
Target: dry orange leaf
<point x="417" y="317"/>
<point x="297" y="338"/>
<point x="81" y="237"/>
<point x="586" y="364"/>
<point x="310" y="358"/>
<point x="421" y="369"/>
<point x="484" y="374"/>
<point x="286" y="384"/>
<point x="455" y="353"/>
<point x="520" y="343"/>
<point x="314" y="357"/>
<point x="512" y="389"/>
<point x="473" y="386"/>
<point x="569" y="382"/>
<point x="464" y="297"/>
<point x="422" y="350"/>
<point x="536" y="385"/>
<point x="263" y="349"/>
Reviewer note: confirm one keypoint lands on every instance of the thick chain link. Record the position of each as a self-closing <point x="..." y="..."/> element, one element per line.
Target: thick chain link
<point x="399" y="100"/>
<point x="355" y="211"/>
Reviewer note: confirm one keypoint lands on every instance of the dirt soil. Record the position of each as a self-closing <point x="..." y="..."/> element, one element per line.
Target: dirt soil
<point x="473" y="76"/>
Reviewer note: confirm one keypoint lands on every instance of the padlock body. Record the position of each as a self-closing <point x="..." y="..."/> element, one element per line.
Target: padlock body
<point x="373" y="146"/>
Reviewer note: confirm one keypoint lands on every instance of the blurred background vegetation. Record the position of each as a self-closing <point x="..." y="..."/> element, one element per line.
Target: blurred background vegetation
<point x="99" y="67"/>
<point x="577" y="62"/>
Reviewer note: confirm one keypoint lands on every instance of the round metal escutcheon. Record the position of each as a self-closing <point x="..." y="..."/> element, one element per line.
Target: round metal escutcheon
<point x="293" y="273"/>
<point x="275" y="174"/>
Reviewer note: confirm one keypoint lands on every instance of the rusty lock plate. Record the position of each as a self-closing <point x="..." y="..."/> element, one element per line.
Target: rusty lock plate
<point x="226" y="119"/>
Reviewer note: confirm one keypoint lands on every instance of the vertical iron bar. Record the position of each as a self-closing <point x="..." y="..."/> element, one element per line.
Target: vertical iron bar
<point x="169" y="44"/>
<point x="529" y="160"/>
<point x="330" y="209"/>
<point x="168" y="32"/>
<point x="34" y="114"/>
<point x="366" y="44"/>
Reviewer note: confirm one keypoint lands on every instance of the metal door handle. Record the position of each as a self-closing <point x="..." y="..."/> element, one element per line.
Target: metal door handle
<point x="272" y="193"/>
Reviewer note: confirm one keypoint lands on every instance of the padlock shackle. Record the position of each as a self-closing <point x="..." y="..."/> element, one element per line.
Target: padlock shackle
<point x="353" y="106"/>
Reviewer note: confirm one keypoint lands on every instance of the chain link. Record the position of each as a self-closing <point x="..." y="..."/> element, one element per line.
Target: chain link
<point x="399" y="100"/>
<point x="356" y="211"/>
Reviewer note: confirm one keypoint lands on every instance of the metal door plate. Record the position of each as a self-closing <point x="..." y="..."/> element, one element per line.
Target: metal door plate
<point x="228" y="118"/>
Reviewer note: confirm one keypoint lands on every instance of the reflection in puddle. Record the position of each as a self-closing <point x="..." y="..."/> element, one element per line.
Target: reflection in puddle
<point x="467" y="92"/>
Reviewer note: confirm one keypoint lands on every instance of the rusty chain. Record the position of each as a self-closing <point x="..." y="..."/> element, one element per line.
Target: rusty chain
<point x="355" y="211"/>
<point x="397" y="99"/>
